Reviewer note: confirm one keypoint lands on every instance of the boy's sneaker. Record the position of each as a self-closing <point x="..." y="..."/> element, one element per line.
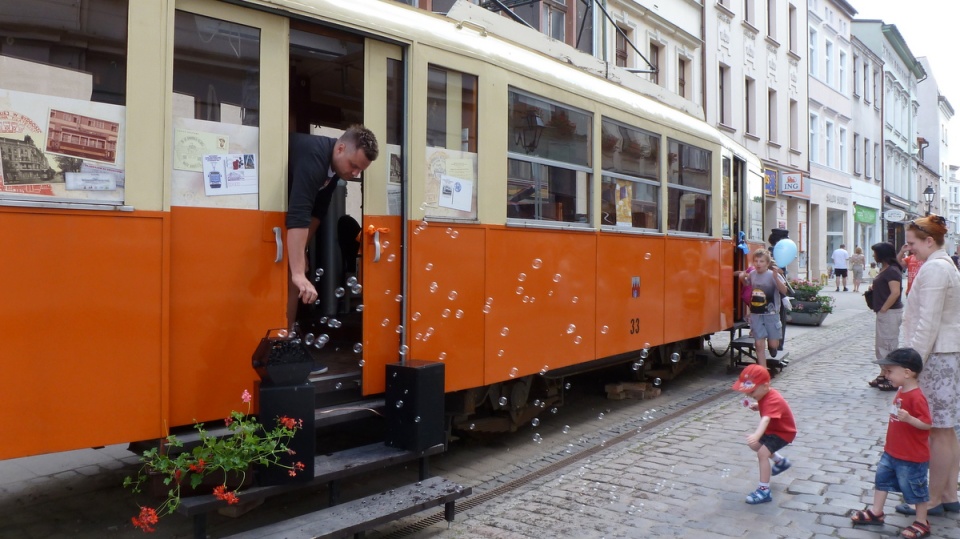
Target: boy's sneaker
<point x="780" y="467"/>
<point x="761" y="495"/>
<point x="319" y="368"/>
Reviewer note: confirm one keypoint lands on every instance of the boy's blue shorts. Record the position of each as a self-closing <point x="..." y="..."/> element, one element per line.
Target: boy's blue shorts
<point x="908" y="478"/>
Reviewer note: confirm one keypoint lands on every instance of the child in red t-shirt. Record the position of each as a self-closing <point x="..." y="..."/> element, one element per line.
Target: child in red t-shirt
<point x="906" y="455"/>
<point x="776" y="430"/>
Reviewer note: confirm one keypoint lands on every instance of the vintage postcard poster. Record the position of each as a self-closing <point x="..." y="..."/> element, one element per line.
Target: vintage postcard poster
<point x="455" y="165"/>
<point x="192" y="188"/>
<point x="230" y="174"/>
<point x="624" y="203"/>
<point x="190" y="146"/>
<point x="43" y="138"/>
<point x="455" y="193"/>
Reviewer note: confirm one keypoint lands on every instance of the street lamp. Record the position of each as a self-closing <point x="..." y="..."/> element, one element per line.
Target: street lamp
<point x="928" y="195"/>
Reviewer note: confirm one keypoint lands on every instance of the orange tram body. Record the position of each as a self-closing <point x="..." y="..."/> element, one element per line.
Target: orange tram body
<point x="525" y="216"/>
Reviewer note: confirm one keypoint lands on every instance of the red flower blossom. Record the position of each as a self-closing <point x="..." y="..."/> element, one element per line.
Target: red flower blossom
<point x="221" y="493"/>
<point x="292" y="473"/>
<point x="246" y="396"/>
<point x="228" y="421"/>
<point x="199" y="466"/>
<point x="177" y="474"/>
<point x="287" y="422"/>
<point x="298" y="465"/>
<point x="146" y="520"/>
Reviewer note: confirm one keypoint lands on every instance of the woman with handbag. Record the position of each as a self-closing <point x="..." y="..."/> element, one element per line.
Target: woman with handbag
<point x="931" y="326"/>
<point x="885" y="301"/>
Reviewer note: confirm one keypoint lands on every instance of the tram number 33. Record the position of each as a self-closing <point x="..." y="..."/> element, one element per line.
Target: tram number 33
<point x="634" y="326"/>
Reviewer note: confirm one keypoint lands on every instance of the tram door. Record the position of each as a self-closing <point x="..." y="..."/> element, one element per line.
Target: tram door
<point x="338" y="79"/>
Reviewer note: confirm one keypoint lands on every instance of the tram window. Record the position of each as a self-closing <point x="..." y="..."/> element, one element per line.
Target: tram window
<point x="546" y="193"/>
<point x="630" y="194"/>
<point x="216" y="111"/>
<point x="539" y="128"/>
<point x="689" y="190"/>
<point x="451" y="183"/>
<point x="629" y="203"/>
<point x="725" y="198"/>
<point x="63" y="74"/>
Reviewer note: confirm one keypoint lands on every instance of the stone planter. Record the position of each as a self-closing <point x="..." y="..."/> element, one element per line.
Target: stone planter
<point x="806" y="315"/>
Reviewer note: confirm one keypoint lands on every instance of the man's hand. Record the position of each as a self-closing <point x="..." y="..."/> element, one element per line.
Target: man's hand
<point x="307" y="292"/>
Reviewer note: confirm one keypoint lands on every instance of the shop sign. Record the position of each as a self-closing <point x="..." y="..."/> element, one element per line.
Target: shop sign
<point x="794" y="185"/>
<point x="894" y="215"/>
<point x="770" y="182"/>
<point x="863" y="214"/>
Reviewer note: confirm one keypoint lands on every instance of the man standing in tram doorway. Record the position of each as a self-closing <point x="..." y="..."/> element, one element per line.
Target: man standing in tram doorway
<point x="315" y="165"/>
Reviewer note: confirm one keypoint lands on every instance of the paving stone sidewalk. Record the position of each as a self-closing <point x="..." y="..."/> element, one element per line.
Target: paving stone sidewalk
<point x="689" y="478"/>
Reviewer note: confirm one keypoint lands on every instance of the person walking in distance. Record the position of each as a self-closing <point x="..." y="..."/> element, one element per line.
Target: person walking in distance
<point x="931" y="326"/>
<point x="776" y="429"/>
<point x="906" y="453"/>
<point x="767" y="286"/>
<point x="857" y="264"/>
<point x="840" y="256"/>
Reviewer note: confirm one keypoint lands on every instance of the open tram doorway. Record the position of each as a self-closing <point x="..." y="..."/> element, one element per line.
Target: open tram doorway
<point x="338" y="79"/>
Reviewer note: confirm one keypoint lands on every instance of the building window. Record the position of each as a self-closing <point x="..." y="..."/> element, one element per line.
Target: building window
<point x="750" y="106"/>
<point x="856" y="76"/>
<point x="843" y="149"/>
<point x="772" y="19"/>
<point x="876" y="88"/>
<point x="954" y="194"/>
<point x="682" y="67"/>
<point x="655" y="62"/>
<point x="793" y="29"/>
<point x="748" y="11"/>
<point x="843" y="72"/>
<point x="584" y="27"/>
<point x="622" y="52"/>
<point x="812" y="57"/>
<point x="772" y="134"/>
<point x="866" y="157"/>
<point x="542" y="131"/>
<point x="630" y="187"/>
<point x="814" y="138"/>
<point x="724" y="95"/>
<point x="689" y="188"/>
<point x="555" y="21"/>
<point x="828" y="142"/>
<point x="856" y="154"/>
<point x="866" y="83"/>
<point x="828" y="62"/>
<point x="876" y="161"/>
<point x="794" y="125"/>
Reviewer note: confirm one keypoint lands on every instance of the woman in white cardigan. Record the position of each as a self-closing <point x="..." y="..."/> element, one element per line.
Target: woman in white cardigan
<point x="931" y="326"/>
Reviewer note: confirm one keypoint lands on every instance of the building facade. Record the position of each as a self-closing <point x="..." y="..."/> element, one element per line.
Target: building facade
<point x="934" y="150"/>
<point x="755" y="56"/>
<point x="901" y="74"/>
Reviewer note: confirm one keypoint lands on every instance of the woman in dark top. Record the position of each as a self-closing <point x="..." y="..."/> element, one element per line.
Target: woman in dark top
<point x="887" y="305"/>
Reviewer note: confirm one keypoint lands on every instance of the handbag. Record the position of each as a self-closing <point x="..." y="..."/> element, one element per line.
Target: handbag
<point x="868" y="297"/>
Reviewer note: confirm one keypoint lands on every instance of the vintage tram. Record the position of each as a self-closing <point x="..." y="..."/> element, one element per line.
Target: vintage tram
<point x="527" y="218"/>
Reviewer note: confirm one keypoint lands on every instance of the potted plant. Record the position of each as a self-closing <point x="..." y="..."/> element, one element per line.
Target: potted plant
<point x="809" y="307"/>
<point x="227" y="460"/>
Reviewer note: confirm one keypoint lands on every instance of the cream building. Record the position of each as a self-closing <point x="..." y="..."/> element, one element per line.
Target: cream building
<point x="755" y="74"/>
<point x="933" y="119"/>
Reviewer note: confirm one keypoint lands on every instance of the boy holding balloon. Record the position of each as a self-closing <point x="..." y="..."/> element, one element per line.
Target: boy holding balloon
<point x="768" y="286"/>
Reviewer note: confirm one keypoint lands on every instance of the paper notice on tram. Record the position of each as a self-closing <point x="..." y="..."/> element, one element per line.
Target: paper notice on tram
<point x="90" y="181"/>
<point x="190" y="146"/>
<point x="455" y="193"/>
<point x="230" y="174"/>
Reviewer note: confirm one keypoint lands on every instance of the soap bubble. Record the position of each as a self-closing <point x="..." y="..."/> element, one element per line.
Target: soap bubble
<point x="404" y="349"/>
<point x="647" y="256"/>
<point x="522" y="277"/>
<point x="308" y="339"/>
<point x="536" y="402"/>
<point x="454" y="234"/>
<point x="526" y="299"/>
<point x="577" y="340"/>
<point x="544" y="369"/>
<point x="351" y="280"/>
<point x="644" y="353"/>
<point x="636" y="366"/>
<point x="361" y="363"/>
<point x="449" y="230"/>
<point x="566" y="429"/>
<point x="604" y="329"/>
<point x="443" y="356"/>
<point x="505" y="331"/>
<point x="399" y="404"/>
<point x="357" y="348"/>
<point x="429" y="266"/>
<point x="472" y="426"/>
<point x="675" y="357"/>
<point x="537" y="263"/>
<point x="600" y="415"/>
<point x="434" y="286"/>
<point x="452" y="295"/>
<point x="323" y="338"/>
<point x="399" y="329"/>
<point x="571" y="328"/>
<point x="319" y="272"/>
<point x="556" y="278"/>
<point x="339" y="292"/>
<point x="503" y="401"/>
<point x="391" y="258"/>
<point x="657" y="381"/>
<point x="398" y="298"/>
<point x="519" y="290"/>
<point x="415" y="316"/>
<point x="535" y="422"/>
<point x="537" y="438"/>
<point x="459" y="313"/>
<point x="575" y="299"/>
<point x="418" y="336"/>
<point x="513" y="372"/>
<point x="554" y="410"/>
<point x="487" y="309"/>
<point x="489" y="301"/>
<point x="445" y="313"/>
<point x="385" y="244"/>
<point x="500" y="353"/>
<point x="567" y="385"/>
<point x="356" y="289"/>
<point x="339" y="385"/>
<point x="416" y="419"/>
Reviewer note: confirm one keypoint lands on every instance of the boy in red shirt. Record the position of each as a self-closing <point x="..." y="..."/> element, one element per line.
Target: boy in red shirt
<point x="906" y="455"/>
<point x="776" y="429"/>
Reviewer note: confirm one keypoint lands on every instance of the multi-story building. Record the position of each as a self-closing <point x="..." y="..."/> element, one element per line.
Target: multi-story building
<point x="952" y="211"/>
<point x="830" y="108"/>
<point x="866" y="80"/>
<point x="901" y="74"/>
<point x="933" y="118"/>
<point x="755" y="58"/>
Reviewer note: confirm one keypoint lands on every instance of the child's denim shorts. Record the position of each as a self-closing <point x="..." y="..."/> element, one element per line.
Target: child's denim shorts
<point x="766" y="326"/>
<point x="908" y="478"/>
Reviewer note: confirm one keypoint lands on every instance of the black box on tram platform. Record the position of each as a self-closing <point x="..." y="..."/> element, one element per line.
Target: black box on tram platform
<point x="415" y="405"/>
<point x="296" y="402"/>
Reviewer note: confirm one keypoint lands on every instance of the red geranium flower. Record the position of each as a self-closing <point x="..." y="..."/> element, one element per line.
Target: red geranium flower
<point x="146" y="520"/>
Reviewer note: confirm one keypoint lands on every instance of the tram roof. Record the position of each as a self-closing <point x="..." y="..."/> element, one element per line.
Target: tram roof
<point x="477" y="32"/>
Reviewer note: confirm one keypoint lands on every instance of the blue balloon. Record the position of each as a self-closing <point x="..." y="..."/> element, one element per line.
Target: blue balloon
<point x="784" y="252"/>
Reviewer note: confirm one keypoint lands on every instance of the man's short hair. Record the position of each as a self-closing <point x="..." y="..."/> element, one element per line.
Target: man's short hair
<point x="362" y="138"/>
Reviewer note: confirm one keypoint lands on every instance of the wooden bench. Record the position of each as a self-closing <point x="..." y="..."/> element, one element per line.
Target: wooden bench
<point x="358" y="516"/>
<point x="326" y="469"/>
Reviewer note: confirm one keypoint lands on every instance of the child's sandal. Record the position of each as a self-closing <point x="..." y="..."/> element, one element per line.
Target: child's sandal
<point x="866" y="517"/>
<point x="916" y="530"/>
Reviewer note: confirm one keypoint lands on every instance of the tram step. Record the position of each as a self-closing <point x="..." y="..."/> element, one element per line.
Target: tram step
<point x="357" y="516"/>
<point x="326" y="469"/>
